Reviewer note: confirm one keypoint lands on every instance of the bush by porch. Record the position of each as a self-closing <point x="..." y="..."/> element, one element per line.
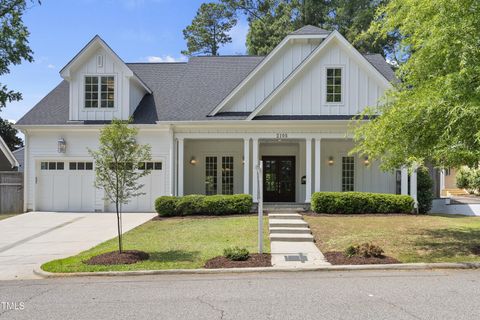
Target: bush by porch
<point x="168" y="206"/>
<point x="361" y="202"/>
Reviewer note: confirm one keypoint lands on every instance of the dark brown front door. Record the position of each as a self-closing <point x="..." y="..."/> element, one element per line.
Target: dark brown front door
<point x="278" y="179"/>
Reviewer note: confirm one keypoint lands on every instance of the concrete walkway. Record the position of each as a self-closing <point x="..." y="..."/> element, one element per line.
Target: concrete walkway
<point x="292" y="243"/>
<point x="33" y="238"/>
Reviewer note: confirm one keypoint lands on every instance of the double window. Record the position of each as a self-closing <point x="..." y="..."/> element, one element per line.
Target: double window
<point x="334" y="85"/>
<point x="99" y="92"/>
<point x="212" y="178"/>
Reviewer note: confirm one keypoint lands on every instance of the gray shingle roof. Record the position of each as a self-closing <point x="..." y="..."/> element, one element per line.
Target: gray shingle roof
<point x="309" y="30"/>
<point x="181" y="91"/>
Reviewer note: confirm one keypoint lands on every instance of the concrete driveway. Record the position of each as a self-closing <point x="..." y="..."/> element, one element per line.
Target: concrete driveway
<point x="37" y="237"/>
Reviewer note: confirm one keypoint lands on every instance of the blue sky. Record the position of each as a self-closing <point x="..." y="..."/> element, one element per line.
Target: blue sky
<point x="138" y="30"/>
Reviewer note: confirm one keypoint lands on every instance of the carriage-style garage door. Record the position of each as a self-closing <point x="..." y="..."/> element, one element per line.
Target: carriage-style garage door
<point x="65" y="186"/>
<point x="68" y="186"/>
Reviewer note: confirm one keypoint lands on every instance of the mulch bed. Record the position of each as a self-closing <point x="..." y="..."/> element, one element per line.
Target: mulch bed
<point x="114" y="257"/>
<point x="338" y="258"/>
<point x="254" y="260"/>
<point x="198" y="216"/>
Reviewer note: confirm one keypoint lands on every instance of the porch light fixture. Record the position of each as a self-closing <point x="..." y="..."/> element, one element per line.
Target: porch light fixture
<point x="366" y="161"/>
<point x="193" y="161"/>
<point x="61" y="146"/>
<point x="330" y="160"/>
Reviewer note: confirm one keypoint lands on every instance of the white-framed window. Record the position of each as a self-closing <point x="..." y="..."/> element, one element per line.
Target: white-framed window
<point x="348" y="174"/>
<point x="210" y="175"/>
<point x="227" y="175"/>
<point x="80" y="165"/>
<point x="99" y="92"/>
<point x="149" y="165"/>
<point x="334" y="81"/>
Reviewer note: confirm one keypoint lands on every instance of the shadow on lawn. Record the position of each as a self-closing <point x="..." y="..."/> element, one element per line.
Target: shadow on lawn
<point x="174" y="255"/>
<point x="449" y="242"/>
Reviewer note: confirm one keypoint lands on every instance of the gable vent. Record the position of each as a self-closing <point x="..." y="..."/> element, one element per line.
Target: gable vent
<point x="100" y="61"/>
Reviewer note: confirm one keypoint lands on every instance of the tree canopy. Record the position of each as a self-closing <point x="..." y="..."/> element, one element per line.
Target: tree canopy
<point x="433" y="115"/>
<point x="9" y="135"/>
<point x="209" y="29"/>
<point x="271" y="20"/>
<point x="14" y="47"/>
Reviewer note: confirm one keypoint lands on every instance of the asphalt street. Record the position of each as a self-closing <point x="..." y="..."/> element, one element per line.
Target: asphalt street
<point x="446" y="294"/>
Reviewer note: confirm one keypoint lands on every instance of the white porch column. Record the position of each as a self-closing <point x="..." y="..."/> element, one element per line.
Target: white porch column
<point x="318" y="164"/>
<point x="442" y="181"/>
<point x="413" y="185"/>
<point x="255" y="163"/>
<point x="404" y="181"/>
<point x="308" y="164"/>
<point x="246" y="165"/>
<point x="180" y="167"/>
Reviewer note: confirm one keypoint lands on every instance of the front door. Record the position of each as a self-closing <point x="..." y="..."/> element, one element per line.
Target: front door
<point x="278" y="179"/>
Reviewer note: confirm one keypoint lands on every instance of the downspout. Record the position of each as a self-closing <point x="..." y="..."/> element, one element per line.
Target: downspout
<point x="26" y="168"/>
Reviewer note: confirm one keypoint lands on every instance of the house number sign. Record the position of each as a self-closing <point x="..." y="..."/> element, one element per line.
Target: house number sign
<point x="282" y="135"/>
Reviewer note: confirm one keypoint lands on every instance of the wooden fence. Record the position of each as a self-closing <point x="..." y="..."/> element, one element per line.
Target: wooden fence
<point x="11" y="192"/>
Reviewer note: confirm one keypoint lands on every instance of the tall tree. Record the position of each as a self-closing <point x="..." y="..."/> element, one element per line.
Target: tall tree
<point x="209" y="29"/>
<point x="433" y="114"/>
<point x="118" y="166"/>
<point x="13" y="43"/>
<point x="9" y="135"/>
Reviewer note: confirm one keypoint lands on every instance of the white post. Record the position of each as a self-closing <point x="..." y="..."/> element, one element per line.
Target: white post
<point x="259" y="170"/>
<point x="404" y="181"/>
<point x="171" y="159"/>
<point x="413" y="185"/>
<point x="308" y="163"/>
<point x="246" y="166"/>
<point x="180" y="167"/>
<point x="255" y="172"/>
<point x="442" y="181"/>
<point x="318" y="164"/>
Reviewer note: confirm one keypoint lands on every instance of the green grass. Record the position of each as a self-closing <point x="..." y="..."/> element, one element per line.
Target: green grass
<point x="7" y="215"/>
<point x="423" y="238"/>
<point x="175" y="243"/>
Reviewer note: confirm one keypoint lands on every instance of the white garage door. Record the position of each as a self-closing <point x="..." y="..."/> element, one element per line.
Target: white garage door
<point x="153" y="187"/>
<point x="65" y="186"/>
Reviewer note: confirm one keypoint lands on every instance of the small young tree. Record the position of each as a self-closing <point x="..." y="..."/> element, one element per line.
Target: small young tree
<point x="117" y="166"/>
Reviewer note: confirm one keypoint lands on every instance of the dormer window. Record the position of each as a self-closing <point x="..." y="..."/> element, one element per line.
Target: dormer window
<point x="99" y="92"/>
<point x="334" y="85"/>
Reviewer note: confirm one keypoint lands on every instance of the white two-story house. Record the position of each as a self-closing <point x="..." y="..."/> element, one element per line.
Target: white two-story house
<point x="210" y="121"/>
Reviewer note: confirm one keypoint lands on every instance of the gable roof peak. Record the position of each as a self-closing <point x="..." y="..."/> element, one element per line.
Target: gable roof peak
<point x="310" y="30"/>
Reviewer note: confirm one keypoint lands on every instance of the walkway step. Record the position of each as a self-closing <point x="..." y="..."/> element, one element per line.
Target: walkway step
<point x="291" y="237"/>
<point x="287" y="223"/>
<point x="284" y="210"/>
<point x="284" y="216"/>
<point x="289" y="230"/>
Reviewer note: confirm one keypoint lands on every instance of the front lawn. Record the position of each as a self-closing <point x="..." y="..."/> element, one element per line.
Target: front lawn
<point x="408" y="238"/>
<point x="174" y="243"/>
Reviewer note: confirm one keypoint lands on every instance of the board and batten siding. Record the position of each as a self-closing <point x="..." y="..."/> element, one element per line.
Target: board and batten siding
<point x="273" y="73"/>
<point x="42" y="146"/>
<point x="127" y="94"/>
<point x="306" y="93"/>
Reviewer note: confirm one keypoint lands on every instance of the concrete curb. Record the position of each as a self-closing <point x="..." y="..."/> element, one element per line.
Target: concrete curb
<point x="401" y="266"/>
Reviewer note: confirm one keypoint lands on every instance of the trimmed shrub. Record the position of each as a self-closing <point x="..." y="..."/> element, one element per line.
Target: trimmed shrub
<point x="361" y="202"/>
<point x="191" y="204"/>
<point x="166" y="206"/>
<point x="236" y="254"/>
<point x="424" y="190"/>
<point x="200" y="204"/>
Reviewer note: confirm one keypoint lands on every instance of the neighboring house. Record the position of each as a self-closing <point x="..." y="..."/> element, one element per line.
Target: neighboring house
<point x="19" y="155"/>
<point x="8" y="162"/>
<point x="210" y="121"/>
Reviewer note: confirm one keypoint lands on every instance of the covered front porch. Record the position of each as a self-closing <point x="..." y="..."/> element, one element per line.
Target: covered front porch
<point x="294" y="166"/>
